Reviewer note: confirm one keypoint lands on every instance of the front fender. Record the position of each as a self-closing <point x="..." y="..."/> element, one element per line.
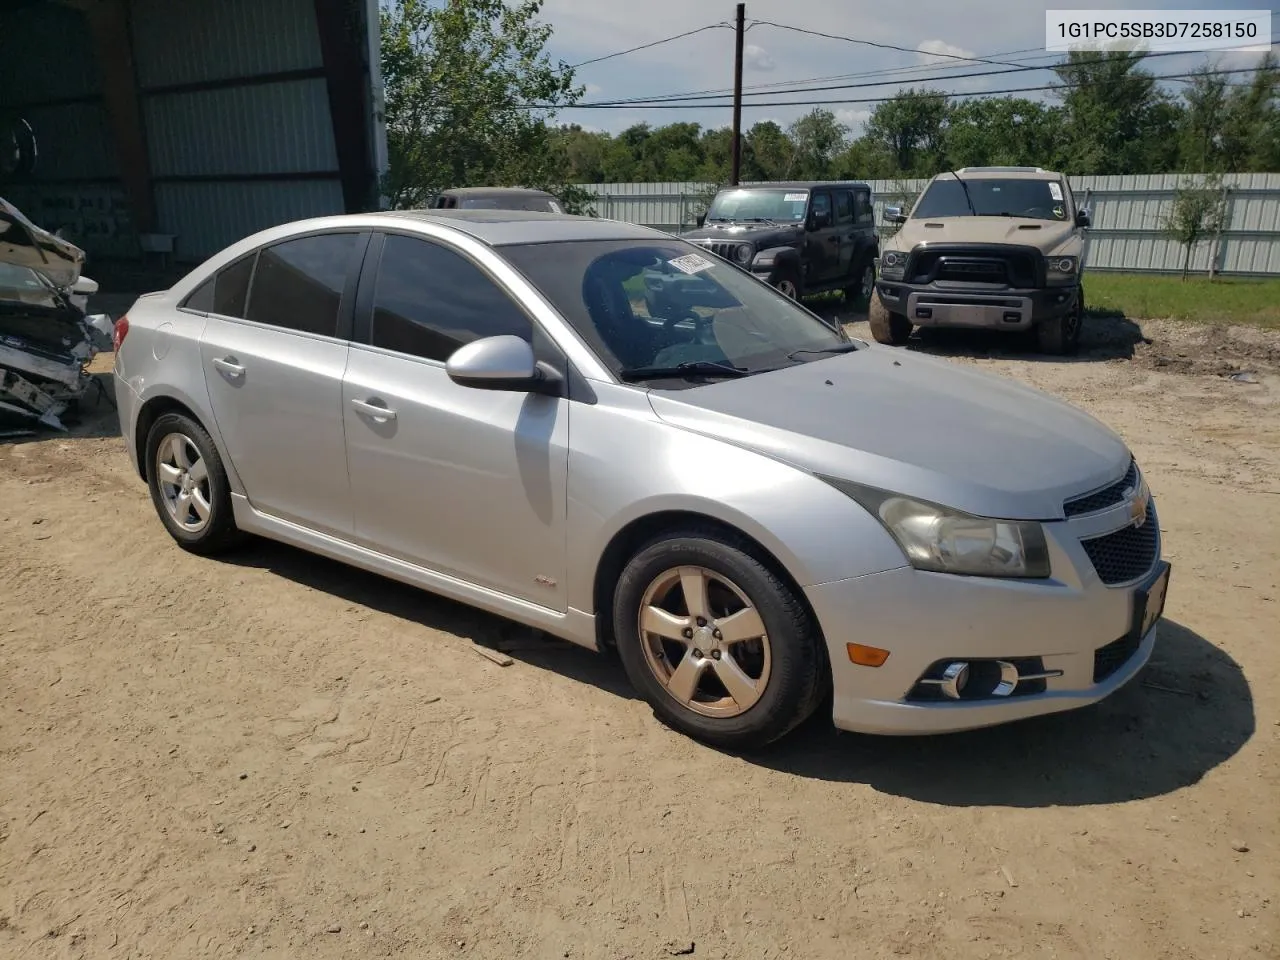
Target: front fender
<point x="768" y="261"/>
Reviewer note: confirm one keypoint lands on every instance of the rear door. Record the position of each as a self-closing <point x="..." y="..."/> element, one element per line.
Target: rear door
<point x="866" y="247"/>
<point x="846" y="238"/>
<point x="274" y="375"/>
<point x="466" y="482"/>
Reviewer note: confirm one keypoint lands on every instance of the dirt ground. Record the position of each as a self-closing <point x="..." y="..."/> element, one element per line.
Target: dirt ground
<point x="276" y="756"/>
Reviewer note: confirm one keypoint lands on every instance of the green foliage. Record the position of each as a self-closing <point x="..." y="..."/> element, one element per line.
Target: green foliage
<point x="1198" y="212"/>
<point x="457" y="77"/>
<point x="1235" y="300"/>
<point x="911" y="129"/>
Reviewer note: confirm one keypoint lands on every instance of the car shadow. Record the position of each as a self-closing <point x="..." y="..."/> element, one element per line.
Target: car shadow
<point x="1104" y="336"/>
<point x="1188" y="711"/>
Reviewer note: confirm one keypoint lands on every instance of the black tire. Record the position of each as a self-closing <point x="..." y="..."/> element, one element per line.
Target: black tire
<point x="889" y="328"/>
<point x="1061" y="335"/>
<point x="219" y="533"/>
<point x="797" y="678"/>
<point x="862" y="290"/>
<point x="787" y="281"/>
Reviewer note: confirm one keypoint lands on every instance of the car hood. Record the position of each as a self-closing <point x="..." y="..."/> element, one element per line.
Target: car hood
<point x="1047" y="235"/>
<point x="23" y="244"/>
<point x="919" y="426"/>
<point x="761" y="234"/>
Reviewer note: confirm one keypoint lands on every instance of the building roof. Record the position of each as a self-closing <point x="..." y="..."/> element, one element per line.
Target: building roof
<point x="501" y="227"/>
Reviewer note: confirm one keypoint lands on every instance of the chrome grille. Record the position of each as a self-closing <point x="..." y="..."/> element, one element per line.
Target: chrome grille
<point x="720" y="248"/>
<point x="1126" y="554"/>
<point x="1106" y="497"/>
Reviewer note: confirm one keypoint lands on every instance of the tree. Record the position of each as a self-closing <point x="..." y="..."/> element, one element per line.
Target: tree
<point x="1251" y="122"/>
<point x="767" y="152"/>
<point x="1198" y="212"/>
<point x="911" y="128"/>
<point x="1200" y="139"/>
<point x="818" y="136"/>
<point x="1002" y="131"/>
<point x="458" y="78"/>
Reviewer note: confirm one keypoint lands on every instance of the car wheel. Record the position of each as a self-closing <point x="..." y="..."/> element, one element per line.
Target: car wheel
<point x="861" y="291"/>
<point x="1061" y="335"/>
<point x="189" y="485"/>
<point x="718" y="645"/>
<point x="788" y="284"/>
<point x="891" y="328"/>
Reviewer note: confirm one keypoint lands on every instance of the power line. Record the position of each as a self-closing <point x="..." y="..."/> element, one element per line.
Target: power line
<point x="675" y="98"/>
<point x="817" y="103"/>
<point x="646" y="46"/>
<point x="872" y="43"/>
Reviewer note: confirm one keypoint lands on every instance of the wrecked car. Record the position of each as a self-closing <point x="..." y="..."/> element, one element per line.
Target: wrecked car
<point x="46" y="336"/>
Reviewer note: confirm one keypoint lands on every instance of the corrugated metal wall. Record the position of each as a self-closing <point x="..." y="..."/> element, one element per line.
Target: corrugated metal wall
<point x="1128" y="213"/>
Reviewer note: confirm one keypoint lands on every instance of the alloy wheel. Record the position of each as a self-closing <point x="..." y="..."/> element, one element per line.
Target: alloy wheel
<point x="787" y="288"/>
<point x="705" y="642"/>
<point x="183" y="479"/>
<point x="868" y="284"/>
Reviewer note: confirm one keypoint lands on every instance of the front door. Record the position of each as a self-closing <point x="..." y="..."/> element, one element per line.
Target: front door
<point x="274" y="377"/>
<point x="466" y="482"/>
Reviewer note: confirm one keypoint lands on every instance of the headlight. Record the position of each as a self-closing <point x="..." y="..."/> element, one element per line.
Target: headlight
<point x="1063" y="270"/>
<point x="948" y="541"/>
<point x="742" y="253"/>
<point x="893" y="265"/>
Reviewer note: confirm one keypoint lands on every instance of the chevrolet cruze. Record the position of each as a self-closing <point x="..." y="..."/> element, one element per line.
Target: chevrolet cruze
<point x="606" y="433"/>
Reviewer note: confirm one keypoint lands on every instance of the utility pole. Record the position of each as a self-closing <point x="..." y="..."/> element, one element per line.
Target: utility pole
<point x="737" y="95"/>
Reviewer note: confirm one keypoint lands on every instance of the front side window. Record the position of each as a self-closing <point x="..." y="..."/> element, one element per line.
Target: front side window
<point x="430" y="300"/>
<point x="822" y="205"/>
<point x="783" y="206"/>
<point x="1032" y="199"/>
<point x="657" y="303"/>
<point x="298" y="283"/>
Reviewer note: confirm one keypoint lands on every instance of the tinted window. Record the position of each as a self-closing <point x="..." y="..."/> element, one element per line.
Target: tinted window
<point x="226" y="290"/>
<point x="298" y="283"/>
<point x="822" y="203"/>
<point x="987" y="197"/>
<point x="844" y="207"/>
<point x="862" y="210"/>
<point x="429" y="301"/>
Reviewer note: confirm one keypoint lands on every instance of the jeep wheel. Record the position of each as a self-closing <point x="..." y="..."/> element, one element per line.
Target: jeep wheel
<point x="861" y="291"/>
<point x="788" y="284"/>
<point x="1061" y="335"/>
<point x="891" y="328"/>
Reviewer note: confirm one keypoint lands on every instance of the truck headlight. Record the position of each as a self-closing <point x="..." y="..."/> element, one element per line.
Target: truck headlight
<point x="1062" y="271"/>
<point x="893" y="265"/>
<point x="943" y="540"/>
<point x="743" y="252"/>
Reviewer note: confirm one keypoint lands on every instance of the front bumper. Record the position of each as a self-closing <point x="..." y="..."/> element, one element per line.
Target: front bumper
<point x="924" y="618"/>
<point x="933" y="305"/>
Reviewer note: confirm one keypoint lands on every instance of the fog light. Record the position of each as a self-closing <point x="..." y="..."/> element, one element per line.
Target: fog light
<point x="954" y="679"/>
<point x="865" y="656"/>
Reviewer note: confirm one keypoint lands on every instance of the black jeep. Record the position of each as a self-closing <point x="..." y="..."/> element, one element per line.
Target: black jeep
<point x="803" y="238"/>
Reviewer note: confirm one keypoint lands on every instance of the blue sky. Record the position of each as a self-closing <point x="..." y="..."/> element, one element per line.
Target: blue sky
<point x="585" y="29"/>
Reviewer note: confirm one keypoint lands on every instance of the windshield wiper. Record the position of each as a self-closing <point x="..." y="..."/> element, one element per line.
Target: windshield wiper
<point x="836" y="348"/>
<point x="760" y="220"/>
<point x="965" y="187"/>
<point x="717" y="219"/>
<point x="690" y="368"/>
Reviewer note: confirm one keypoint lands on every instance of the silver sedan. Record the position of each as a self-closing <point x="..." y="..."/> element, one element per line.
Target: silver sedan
<point x="606" y="433"/>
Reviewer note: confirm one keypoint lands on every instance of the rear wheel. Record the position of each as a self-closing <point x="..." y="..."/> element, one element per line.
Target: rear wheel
<point x="189" y="485"/>
<point x="1061" y="335"/>
<point x="861" y="291"/>
<point x="891" y="328"/>
<point x="718" y="645"/>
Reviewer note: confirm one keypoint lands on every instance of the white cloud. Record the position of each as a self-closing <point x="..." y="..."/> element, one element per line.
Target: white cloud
<point x="853" y="119"/>
<point x="591" y="89"/>
<point x="929" y="50"/>
<point x="757" y="58"/>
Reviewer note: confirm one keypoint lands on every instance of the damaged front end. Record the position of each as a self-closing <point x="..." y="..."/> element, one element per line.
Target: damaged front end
<point x="46" y="338"/>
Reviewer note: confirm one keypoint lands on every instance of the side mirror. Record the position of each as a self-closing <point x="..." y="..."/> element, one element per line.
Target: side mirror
<point x="894" y="215"/>
<point x="702" y="219"/>
<point x="501" y="363"/>
<point x="1082" y="218"/>
<point x="85" y="286"/>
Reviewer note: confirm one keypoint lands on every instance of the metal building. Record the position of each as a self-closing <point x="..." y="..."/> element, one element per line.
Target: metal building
<point x="180" y="126"/>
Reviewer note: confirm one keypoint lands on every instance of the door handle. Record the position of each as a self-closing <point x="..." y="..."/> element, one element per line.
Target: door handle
<point x="373" y="410"/>
<point x="229" y="366"/>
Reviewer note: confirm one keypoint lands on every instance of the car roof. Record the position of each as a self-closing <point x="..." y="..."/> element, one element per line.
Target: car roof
<point x="799" y="185"/>
<point x="501" y="227"/>
<point x="1002" y="173"/>
<point x="494" y="192"/>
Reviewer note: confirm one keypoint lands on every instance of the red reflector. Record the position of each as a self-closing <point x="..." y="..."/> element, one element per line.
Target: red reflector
<point x="121" y="331"/>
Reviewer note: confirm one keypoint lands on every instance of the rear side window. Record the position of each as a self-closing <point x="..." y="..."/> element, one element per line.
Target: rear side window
<point x="862" y="210"/>
<point x="429" y="301"/>
<point x="226" y="291"/>
<point x="844" y="207"/>
<point x="298" y="284"/>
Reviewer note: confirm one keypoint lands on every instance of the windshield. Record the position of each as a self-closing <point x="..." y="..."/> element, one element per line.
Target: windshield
<point x="23" y="285"/>
<point x="536" y="204"/>
<point x="647" y="305"/>
<point x="784" y="206"/>
<point x="1035" y="199"/>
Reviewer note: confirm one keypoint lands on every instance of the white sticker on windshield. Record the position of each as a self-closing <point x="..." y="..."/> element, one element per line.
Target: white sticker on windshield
<point x="691" y="263"/>
<point x="792" y="197"/>
<point x="1055" y="190"/>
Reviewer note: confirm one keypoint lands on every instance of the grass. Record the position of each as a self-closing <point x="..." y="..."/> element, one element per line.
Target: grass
<point x="1227" y="300"/>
